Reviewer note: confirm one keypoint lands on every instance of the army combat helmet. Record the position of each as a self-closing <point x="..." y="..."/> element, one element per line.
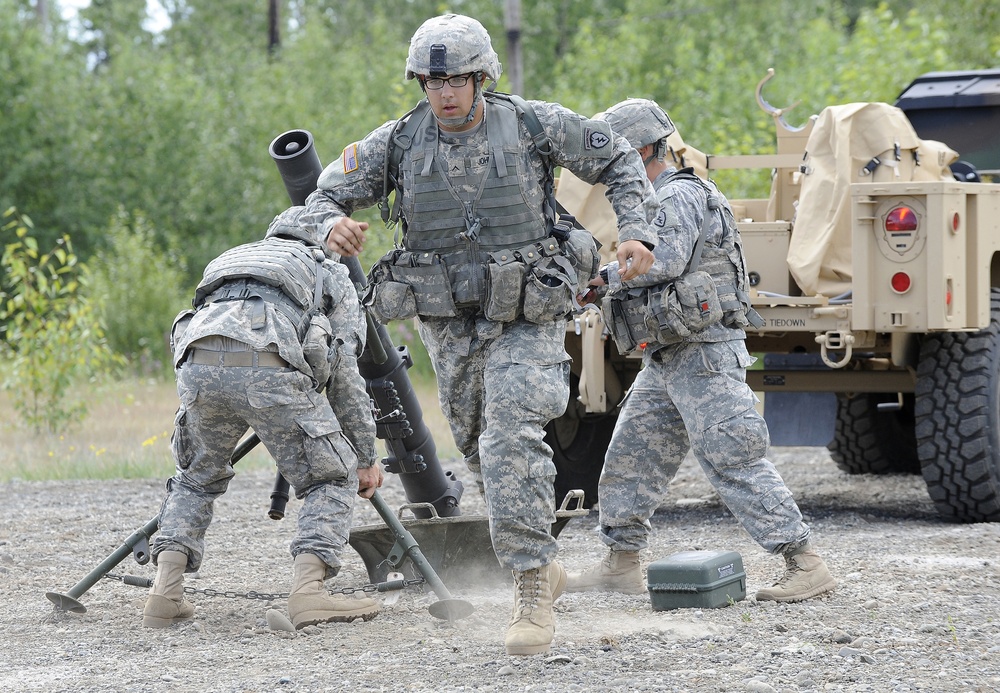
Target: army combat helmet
<point x="641" y="122"/>
<point x="453" y="44"/>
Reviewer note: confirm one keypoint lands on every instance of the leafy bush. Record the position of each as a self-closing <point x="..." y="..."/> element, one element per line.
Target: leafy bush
<point x="51" y="335"/>
<point x="139" y="289"/>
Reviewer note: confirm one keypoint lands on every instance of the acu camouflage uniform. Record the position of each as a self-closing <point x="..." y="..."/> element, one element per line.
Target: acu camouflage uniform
<point x="318" y="439"/>
<point x="499" y="383"/>
<point x="692" y="394"/>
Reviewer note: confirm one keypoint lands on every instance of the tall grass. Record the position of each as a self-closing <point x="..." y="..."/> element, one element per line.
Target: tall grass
<point x="127" y="436"/>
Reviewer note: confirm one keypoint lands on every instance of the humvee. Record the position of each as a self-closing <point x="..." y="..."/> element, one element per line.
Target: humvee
<point x="875" y="262"/>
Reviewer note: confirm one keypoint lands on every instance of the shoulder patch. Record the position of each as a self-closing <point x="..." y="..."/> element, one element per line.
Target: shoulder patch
<point x="595" y="139"/>
<point x="350" y="158"/>
<point x="661" y="219"/>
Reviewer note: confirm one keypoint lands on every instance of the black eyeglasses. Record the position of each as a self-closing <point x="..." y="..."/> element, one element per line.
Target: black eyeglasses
<point x="454" y="81"/>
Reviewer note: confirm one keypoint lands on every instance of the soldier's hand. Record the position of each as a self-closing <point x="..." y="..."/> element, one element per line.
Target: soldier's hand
<point x="347" y="237"/>
<point x="370" y="480"/>
<point x="593" y="291"/>
<point x="634" y="258"/>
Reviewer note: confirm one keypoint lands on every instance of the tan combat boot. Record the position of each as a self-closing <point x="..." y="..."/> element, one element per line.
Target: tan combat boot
<point x="166" y="605"/>
<point x="806" y="576"/>
<point x="309" y="602"/>
<point x="532" y="624"/>
<point x="618" y="572"/>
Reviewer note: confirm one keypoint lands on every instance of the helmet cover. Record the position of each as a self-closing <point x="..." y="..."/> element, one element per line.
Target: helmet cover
<point x="640" y="121"/>
<point x="452" y="44"/>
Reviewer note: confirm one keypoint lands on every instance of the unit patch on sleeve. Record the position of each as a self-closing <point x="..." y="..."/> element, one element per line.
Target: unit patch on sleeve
<point x="351" y="158"/>
<point x="595" y="139"/>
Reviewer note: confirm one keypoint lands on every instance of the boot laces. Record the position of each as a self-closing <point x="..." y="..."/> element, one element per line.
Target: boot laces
<point x="528" y="591"/>
<point x="792" y="568"/>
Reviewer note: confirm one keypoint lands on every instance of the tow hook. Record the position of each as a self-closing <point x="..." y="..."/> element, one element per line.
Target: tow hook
<point x="835" y="341"/>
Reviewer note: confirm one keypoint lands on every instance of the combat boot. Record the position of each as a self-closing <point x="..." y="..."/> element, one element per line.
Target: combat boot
<point x="309" y="602"/>
<point x="166" y="604"/>
<point x="618" y="572"/>
<point x="532" y="623"/>
<point x="806" y="576"/>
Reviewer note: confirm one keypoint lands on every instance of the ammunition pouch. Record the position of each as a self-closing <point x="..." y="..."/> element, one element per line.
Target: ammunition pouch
<point x="626" y="318"/>
<point x="391" y="300"/>
<point x="316" y="349"/>
<point x="403" y="284"/>
<point x="505" y="277"/>
<point x="549" y="290"/>
<point x="687" y="305"/>
<point x="535" y="280"/>
<point x="178" y="328"/>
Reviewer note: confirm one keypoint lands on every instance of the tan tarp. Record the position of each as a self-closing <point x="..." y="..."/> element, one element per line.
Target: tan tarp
<point x="843" y="141"/>
<point x="589" y="205"/>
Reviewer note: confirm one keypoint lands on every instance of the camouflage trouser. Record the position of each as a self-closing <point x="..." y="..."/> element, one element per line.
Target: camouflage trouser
<point x="300" y="431"/>
<point x="499" y="385"/>
<point x="694" y="396"/>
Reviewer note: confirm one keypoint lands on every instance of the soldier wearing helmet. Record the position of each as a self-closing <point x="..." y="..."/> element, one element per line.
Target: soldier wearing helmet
<point x="689" y="313"/>
<point x="272" y="344"/>
<point x="478" y="266"/>
<point x="642" y="123"/>
<point x="448" y="47"/>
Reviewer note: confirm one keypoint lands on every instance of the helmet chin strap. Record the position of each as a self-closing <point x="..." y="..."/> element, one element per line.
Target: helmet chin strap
<point x="659" y="152"/>
<point x="477" y="98"/>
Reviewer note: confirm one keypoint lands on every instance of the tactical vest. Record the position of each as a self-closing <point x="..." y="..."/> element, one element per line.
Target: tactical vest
<point x="491" y="249"/>
<point x="497" y="216"/>
<point x="284" y="272"/>
<point x="669" y="312"/>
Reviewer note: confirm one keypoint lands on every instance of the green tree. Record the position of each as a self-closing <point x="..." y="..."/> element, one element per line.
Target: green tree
<point x="177" y="123"/>
<point x="136" y="286"/>
<point x="52" y="338"/>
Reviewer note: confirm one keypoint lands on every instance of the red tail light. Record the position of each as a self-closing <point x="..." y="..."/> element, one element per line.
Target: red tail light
<point x="901" y="282"/>
<point x="901" y="219"/>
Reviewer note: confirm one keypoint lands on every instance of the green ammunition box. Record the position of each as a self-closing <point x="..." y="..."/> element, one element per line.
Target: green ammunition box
<point x="696" y="580"/>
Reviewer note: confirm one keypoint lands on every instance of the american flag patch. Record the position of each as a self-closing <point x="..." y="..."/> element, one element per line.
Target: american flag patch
<point x="351" y="158"/>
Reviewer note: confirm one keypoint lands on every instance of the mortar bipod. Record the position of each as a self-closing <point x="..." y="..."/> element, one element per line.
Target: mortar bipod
<point x="137" y="545"/>
<point x="447" y="607"/>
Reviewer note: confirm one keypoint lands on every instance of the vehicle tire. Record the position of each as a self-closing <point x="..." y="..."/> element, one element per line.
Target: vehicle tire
<point x="958" y="420"/>
<point x="869" y="441"/>
<point x="578" y="443"/>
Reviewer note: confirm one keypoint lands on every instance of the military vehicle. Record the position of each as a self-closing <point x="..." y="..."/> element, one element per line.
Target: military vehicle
<point x="874" y="264"/>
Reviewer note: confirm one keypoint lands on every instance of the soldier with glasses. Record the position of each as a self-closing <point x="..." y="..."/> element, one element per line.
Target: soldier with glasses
<point x="477" y="264"/>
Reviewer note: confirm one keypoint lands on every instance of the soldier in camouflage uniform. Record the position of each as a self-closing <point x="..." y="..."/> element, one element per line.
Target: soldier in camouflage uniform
<point x="691" y="392"/>
<point x="273" y="345"/>
<point x="489" y="286"/>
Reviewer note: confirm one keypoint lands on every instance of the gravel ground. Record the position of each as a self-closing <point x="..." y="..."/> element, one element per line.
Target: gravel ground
<point x="918" y="607"/>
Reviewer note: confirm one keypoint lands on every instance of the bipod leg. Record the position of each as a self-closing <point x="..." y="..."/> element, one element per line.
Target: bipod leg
<point x="140" y="538"/>
<point x="447" y="607"/>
